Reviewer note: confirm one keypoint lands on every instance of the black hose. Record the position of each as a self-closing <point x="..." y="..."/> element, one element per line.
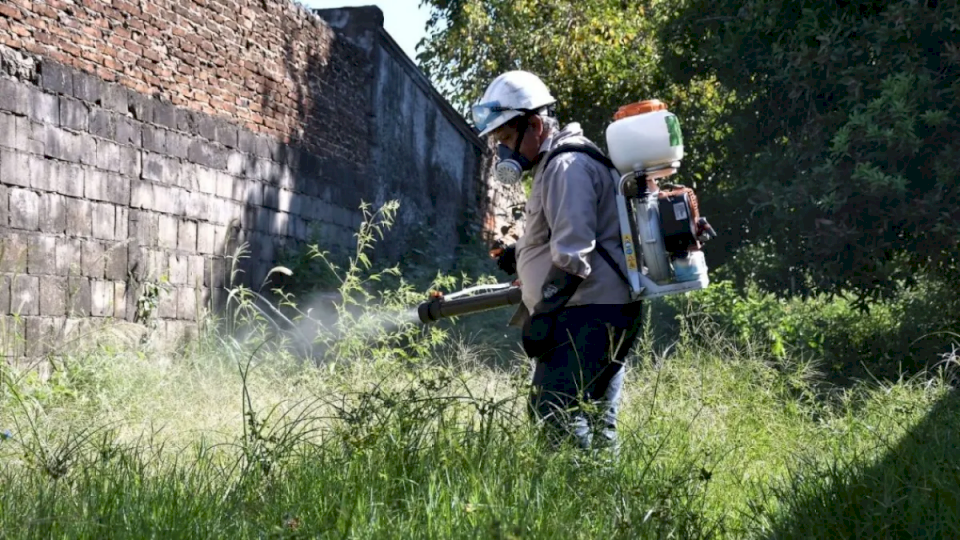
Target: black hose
<point x="437" y="308"/>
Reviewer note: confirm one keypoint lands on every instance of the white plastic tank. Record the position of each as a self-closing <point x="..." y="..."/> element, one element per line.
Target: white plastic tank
<point x="644" y="136"/>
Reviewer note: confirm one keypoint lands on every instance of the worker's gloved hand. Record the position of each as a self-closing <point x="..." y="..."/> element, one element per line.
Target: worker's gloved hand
<point x="557" y="290"/>
<point x="506" y="257"/>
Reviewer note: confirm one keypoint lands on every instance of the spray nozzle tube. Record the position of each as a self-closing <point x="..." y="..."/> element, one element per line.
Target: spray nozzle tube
<point x="439" y="307"/>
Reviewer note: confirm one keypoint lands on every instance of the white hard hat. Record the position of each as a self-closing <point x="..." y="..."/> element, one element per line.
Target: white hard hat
<point x="508" y="96"/>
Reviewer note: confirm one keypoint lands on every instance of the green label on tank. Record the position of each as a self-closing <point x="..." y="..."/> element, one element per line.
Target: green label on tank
<point x="673" y="127"/>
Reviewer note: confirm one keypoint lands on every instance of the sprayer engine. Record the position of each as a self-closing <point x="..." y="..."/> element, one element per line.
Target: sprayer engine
<point x="661" y="222"/>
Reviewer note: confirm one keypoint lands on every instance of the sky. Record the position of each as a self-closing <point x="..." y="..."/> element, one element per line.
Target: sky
<point x="404" y="20"/>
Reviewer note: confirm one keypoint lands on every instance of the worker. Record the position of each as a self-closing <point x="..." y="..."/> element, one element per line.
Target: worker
<point x="577" y="318"/>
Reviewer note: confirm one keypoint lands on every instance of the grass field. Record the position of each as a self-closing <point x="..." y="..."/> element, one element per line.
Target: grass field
<point x="422" y="433"/>
<point x="235" y="440"/>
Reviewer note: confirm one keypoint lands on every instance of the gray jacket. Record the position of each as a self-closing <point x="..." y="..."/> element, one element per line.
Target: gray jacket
<point x="572" y="206"/>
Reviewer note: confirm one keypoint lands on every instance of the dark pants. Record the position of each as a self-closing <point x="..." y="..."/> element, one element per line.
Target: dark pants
<point x="577" y="383"/>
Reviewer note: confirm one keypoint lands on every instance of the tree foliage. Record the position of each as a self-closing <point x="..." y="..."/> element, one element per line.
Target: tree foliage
<point x="846" y="134"/>
<point x="821" y="136"/>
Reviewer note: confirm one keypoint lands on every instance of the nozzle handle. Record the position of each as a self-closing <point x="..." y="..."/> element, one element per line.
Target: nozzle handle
<point x="437" y="308"/>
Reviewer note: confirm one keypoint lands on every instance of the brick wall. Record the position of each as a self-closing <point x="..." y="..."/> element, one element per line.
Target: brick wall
<point x="146" y="141"/>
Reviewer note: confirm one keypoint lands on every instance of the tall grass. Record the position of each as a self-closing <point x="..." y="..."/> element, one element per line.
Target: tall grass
<point x="381" y="436"/>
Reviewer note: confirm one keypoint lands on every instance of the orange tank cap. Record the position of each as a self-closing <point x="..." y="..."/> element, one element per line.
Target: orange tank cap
<point x="641" y="107"/>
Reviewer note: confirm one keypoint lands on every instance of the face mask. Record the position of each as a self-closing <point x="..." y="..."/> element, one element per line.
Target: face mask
<point x="510" y="163"/>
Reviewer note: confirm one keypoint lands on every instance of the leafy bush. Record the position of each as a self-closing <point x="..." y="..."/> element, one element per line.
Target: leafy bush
<point x="906" y="335"/>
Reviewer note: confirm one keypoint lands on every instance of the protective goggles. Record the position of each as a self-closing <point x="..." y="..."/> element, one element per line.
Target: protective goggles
<point x="485" y="114"/>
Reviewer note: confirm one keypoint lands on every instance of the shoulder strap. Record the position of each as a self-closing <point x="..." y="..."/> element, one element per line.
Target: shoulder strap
<point x="590" y="150"/>
<point x="602" y="158"/>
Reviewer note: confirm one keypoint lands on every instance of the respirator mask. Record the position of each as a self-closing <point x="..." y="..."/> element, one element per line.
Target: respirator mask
<point x="511" y="164"/>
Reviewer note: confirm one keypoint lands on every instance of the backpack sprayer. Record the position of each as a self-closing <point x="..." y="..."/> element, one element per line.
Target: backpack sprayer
<point x="660" y="223"/>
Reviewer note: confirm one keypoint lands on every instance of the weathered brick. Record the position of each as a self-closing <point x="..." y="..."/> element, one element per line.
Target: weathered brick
<point x="141" y="194"/>
<point x="103" y="124"/>
<point x="78" y="296"/>
<point x="288" y="202"/>
<point x="4" y="207"/>
<point x="213" y="268"/>
<point x="114" y="98"/>
<point x="287" y="178"/>
<point x="226" y="134"/>
<point x="104" y="221"/>
<point x="53" y="295"/>
<point x="103" y="186"/>
<point x="168" y="232"/>
<point x="206" y="238"/>
<point x="221" y="239"/>
<point x="236" y="163"/>
<point x="160" y="263"/>
<point x="174" y="201"/>
<point x="130" y="161"/>
<point x="266" y="249"/>
<point x="265" y="219"/>
<point x="92" y="260"/>
<point x="13" y="97"/>
<point x="56" y="77"/>
<point x="187" y="237"/>
<point x="14" y="168"/>
<point x="178" y="145"/>
<point x="267" y="147"/>
<point x="206" y="127"/>
<point x="206" y="180"/>
<point x="40" y="173"/>
<point x="33" y="135"/>
<point x="271" y="197"/>
<point x="148" y="227"/>
<point x="8" y="131"/>
<point x="120" y="300"/>
<point x="79" y="217"/>
<point x="155" y="167"/>
<point x="155" y="139"/>
<point x="141" y="106"/>
<point x="195" y="271"/>
<point x="202" y="153"/>
<point x="68" y="146"/>
<point x="13" y="252"/>
<point x="179" y="267"/>
<point x="247" y="142"/>
<point x="68" y="257"/>
<point x="24" y="209"/>
<point x="25" y="295"/>
<point x="74" y="114"/>
<point x="128" y="131"/>
<point x="116" y="262"/>
<point x="42" y="336"/>
<point x="254" y="193"/>
<point x="123" y="223"/>
<point x="68" y="178"/>
<point x="42" y="255"/>
<point x="13" y="336"/>
<point x="167" y="304"/>
<point x="43" y="107"/>
<point x="164" y="114"/>
<point x="197" y="206"/>
<point x="102" y="298"/>
<point x="225" y="185"/>
<point x="187" y="304"/>
<point x="53" y="215"/>
<point x="87" y="87"/>
<point x="188" y="177"/>
<point x="108" y="156"/>
<point x="4" y="298"/>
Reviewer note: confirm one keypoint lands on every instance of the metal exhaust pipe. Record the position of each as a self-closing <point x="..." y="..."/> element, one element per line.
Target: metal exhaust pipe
<point x="438" y="308"/>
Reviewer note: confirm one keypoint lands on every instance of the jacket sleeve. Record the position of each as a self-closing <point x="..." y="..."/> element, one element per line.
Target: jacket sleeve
<point x="570" y="207"/>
